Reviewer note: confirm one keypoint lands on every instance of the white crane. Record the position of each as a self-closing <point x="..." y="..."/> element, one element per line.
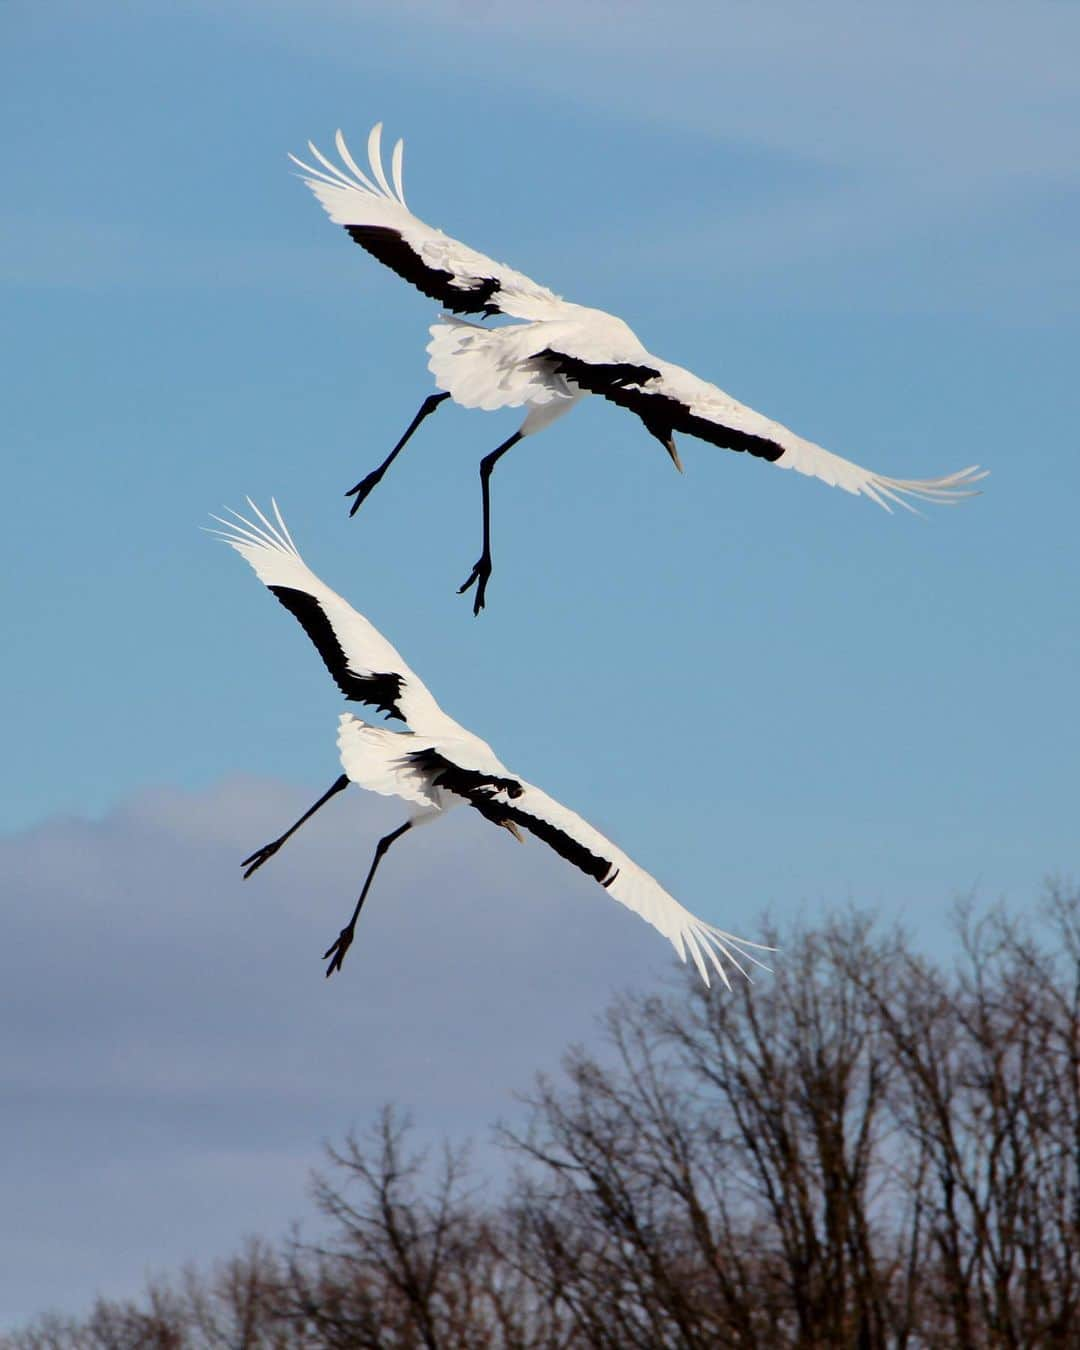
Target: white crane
<point x="557" y="353"/>
<point x="437" y="764"/>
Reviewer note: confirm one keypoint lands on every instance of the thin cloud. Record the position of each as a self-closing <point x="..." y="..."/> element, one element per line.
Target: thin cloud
<point x="911" y="86"/>
<point x="172" y="1046"/>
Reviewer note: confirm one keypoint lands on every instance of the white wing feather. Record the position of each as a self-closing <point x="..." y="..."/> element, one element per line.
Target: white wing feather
<point x="590" y="348"/>
<point x="270" y="550"/>
<point x="633" y="887"/>
<point x="350" y="197"/>
<point x="711" y="404"/>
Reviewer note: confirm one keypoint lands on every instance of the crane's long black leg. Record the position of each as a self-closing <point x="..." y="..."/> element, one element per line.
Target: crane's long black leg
<point x="267" y="851"/>
<point x="361" y="490"/>
<point x="345" y="937"/>
<point x="482" y="569"/>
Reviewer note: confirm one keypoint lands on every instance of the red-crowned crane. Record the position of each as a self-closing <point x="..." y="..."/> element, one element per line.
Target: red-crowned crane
<point x="556" y="353"/>
<point x="437" y="764"/>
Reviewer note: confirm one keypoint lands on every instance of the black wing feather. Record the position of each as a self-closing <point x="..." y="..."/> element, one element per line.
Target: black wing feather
<point x="378" y="690"/>
<point x="478" y="790"/>
<point x="392" y="251"/>
<point x="661" y="413"/>
<point x="467" y="783"/>
<point x="602" y="870"/>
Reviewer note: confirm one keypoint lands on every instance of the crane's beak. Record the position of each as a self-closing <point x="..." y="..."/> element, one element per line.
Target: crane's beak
<point x="669" y="446"/>
<point x="509" y="825"/>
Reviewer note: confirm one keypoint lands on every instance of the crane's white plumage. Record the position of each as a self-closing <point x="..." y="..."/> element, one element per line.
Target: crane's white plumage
<point x="444" y="268"/>
<point x="365" y="666"/>
<point x="563" y="350"/>
<point x="437" y="764"/>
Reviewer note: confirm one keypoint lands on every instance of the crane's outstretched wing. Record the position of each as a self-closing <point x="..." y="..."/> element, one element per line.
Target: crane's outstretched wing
<point x="375" y="215"/>
<point x="521" y="804"/>
<point x="668" y="398"/>
<point x="365" y="667"/>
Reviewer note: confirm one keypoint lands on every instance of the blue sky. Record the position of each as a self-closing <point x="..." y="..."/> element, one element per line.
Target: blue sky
<point x="774" y="696"/>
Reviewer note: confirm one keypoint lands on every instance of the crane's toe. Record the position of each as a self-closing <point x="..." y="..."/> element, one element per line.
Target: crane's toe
<point x="260" y="856"/>
<point x="361" y="490"/>
<point x="479" y="577"/>
<point x="336" y="954"/>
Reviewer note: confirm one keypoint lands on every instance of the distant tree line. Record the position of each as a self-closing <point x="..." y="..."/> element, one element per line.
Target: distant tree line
<point x="867" y="1149"/>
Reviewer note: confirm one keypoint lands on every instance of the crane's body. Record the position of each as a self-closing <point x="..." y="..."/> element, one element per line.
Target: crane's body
<point x="437" y="764"/>
<point x="556" y="352"/>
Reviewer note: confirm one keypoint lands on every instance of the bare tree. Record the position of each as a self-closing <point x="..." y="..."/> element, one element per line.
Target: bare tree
<point x="404" y="1267"/>
<point x="720" y="1173"/>
<point x="986" y="1088"/>
<point x="869" y="1150"/>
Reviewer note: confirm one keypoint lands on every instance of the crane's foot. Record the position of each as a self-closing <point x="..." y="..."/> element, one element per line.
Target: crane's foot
<point x="479" y="577"/>
<point x="361" y="490"/>
<point x="260" y="856"/>
<point x="336" y="954"/>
